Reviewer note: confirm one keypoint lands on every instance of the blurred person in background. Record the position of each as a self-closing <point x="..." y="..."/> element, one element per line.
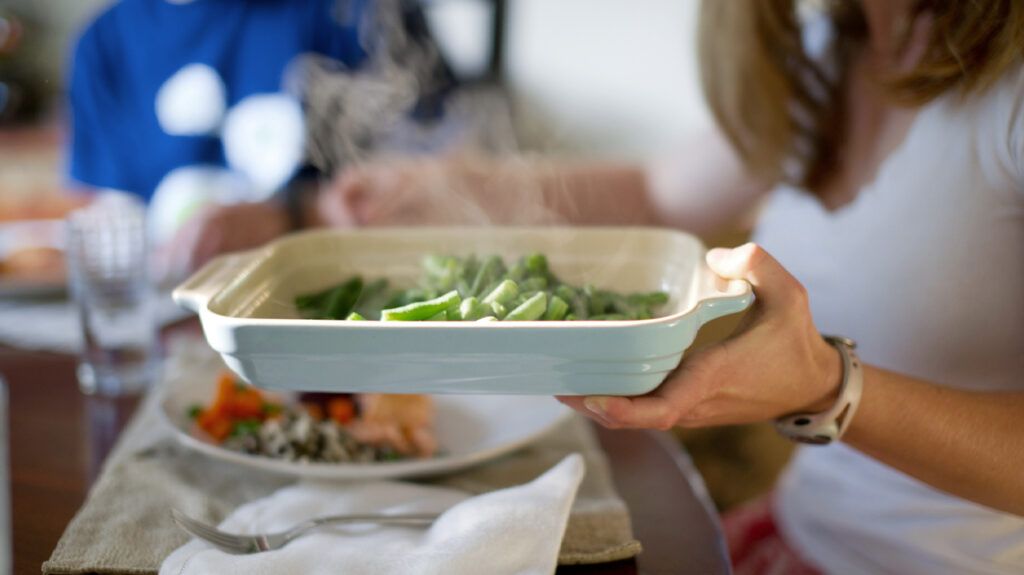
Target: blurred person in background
<point x="184" y="103"/>
<point x="885" y="140"/>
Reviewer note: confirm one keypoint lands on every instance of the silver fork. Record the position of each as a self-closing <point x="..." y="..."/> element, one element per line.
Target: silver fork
<point x="243" y="544"/>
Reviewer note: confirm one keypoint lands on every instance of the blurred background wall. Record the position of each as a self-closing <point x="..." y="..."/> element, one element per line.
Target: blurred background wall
<point x="597" y="77"/>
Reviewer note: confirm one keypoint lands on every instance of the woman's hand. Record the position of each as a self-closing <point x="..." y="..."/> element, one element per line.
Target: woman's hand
<point x="775" y="364"/>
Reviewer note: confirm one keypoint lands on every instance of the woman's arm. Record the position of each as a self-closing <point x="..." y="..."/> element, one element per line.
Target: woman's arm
<point x="699" y="188"/>
<point x="966" y="443"/>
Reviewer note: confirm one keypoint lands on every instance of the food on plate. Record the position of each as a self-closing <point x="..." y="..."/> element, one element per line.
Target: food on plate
<point x="37" y="263"/>
<point x="474" y="289"/>
<point x="319" y="427"/>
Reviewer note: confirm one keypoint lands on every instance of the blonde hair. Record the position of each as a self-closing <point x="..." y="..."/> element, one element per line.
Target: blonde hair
<point x="777" y="104"/>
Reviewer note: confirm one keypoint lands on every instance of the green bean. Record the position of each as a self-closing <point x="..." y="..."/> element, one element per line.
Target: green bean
<point x="557" y="308"/>
<point x="313" y="301"/>
<point x="471" y="309"/>
<point x="418" y="311"/>
<point x="565" y="292"/>
<point x="599" y="302"/>
<point x="505" y="293"/>
<point x="470" y="289"/>
<point x="534" y="284"/>
<point x="536" y="264"/>
<point x="651" y="299"/>
<point x="489" y="270"/>
<point x="518" y="272"/>
<point x="486" y="319"/>
<point x="343" y="298"/>
<point x="373" y="299"/>
<point x="531" y="309"/>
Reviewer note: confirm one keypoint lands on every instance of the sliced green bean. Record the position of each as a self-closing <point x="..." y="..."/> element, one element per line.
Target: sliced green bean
<point x="419" y="311"/>
<point x="505" y="293"/>
<point x="471" y="309"/>
<point x="534" y="284"/>
<point x="373" y="299"/>
<point x="565" y="292"/>
<point x="474" y="289"/>
<point x="557" y="308"/>
<point x="487" y="318"/>
<point x="343" y="298"/>
<point x="486" y="274"/>
<point x="312" y="301"/>
<point x="530" y="310"/>
<point x="536" y="264"/>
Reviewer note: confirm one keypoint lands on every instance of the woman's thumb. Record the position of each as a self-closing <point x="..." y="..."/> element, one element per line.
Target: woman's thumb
<point x="773" y="285"/>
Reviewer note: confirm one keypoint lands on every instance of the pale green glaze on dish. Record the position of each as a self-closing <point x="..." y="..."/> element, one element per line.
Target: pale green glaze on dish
<point x="244" y="304"/>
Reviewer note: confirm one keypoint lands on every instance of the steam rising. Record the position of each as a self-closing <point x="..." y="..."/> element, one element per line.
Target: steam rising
<point x="362" y="118"/>
<point x="349" y="113"/>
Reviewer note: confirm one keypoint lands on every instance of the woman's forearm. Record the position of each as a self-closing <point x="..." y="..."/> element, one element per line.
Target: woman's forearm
<point x="700" y="187"/>
<point x="969" y="444"/>
<point x="585" y="193"/>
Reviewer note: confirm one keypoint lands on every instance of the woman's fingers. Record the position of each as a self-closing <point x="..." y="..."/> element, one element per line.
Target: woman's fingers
<point x="773" y="285"/>
<point x="654" y="411"/>
<point x="576" y="402"/>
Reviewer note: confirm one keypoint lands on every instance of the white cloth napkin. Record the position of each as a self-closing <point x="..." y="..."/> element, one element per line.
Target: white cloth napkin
<point x="512" y="531"/>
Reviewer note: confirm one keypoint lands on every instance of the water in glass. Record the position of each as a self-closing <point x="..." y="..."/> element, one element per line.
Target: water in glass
<point x="109" y="281"/>
<point x="5" y="501"/>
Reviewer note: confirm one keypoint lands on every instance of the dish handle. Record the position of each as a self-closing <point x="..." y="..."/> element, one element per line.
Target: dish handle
<point x="722" y="297"/>
<point x="197" y="290"/>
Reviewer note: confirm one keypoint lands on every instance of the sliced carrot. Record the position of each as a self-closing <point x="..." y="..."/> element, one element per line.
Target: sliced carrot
<point x="246" y="404"/>
<point x="341" y="409"/>
<point x="225" y="392"/>
<point x="215" y="424"/>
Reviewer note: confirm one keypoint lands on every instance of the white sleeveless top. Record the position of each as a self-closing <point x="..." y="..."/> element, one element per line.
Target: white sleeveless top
<point x="925" y="269"/>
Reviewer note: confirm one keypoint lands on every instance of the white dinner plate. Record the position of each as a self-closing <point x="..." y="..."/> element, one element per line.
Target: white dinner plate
<point x="470" y="430"/>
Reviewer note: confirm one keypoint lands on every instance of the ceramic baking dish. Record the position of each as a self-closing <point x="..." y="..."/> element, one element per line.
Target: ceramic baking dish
<point x="244" y="302"/>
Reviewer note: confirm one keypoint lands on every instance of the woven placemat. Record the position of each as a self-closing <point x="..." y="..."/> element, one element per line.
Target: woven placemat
<point x="125" y="525"/>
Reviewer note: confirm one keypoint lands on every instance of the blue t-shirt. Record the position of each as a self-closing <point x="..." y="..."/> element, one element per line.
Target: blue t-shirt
<point x="131" y="50"/>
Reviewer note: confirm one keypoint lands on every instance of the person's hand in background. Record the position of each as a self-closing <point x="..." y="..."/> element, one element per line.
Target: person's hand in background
<point x="218" y="229"/>
<point x="409" y="191"/>
<point x="775" y="364"/>
<point x="475" y="190"/>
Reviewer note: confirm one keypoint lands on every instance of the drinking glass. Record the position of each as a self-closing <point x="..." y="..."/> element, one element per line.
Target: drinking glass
<point x="5" y="486"/>
<point x="109" y="281"/>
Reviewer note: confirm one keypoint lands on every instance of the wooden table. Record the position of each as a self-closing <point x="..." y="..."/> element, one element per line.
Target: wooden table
<point x="59" y="439"/>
